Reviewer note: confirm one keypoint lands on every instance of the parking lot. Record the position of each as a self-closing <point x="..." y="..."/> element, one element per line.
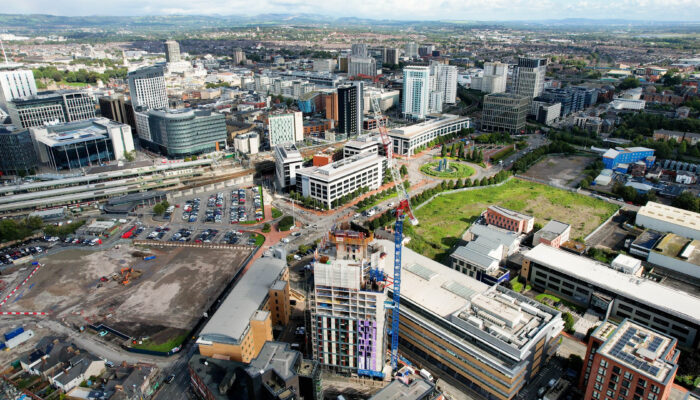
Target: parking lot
<point x="242" y="205"/>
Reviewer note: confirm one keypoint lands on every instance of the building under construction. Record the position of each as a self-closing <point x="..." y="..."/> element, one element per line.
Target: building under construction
<point x="347" y="307"/>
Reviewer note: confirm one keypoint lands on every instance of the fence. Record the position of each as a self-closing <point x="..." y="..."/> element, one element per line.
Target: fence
<point x="193" y="245"/>
<point x="239" y="181"/>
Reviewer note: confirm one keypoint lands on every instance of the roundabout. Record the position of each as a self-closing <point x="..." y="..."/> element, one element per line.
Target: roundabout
<point x="447" y="169"/>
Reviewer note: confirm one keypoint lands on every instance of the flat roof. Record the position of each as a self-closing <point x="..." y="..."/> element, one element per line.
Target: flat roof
<point x="398" y="390"/>
<point x="640" y="349"/>
<point x="431" y="123"/>
<point x="231" y="320"/>
<point x="276" y="356"/>
<point x="672" y="215"/>
<point x="668" y="299"/>
<point x="327" y="172"/>
<point x="679" y="247"/>
<point x="510" y="213"/>
<point x="555" y="227"/>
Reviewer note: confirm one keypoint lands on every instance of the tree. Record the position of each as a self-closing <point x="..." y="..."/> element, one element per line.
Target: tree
<point x="158" y="209"/>
<point x="443" y="152"/>
<point x="403" y="171"/>
<point x="130" y="156"/>
<point x="266" y="228"/>
<point x="629" y="83"/>
<point x="686" y="201"/>
<point x="568" y="322"/>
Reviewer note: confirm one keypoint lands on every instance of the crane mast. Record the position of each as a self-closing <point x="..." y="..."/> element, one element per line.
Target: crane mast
<point x="403" y="210"/>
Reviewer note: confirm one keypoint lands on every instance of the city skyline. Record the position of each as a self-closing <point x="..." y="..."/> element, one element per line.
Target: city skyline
<point x="446" y="10"/>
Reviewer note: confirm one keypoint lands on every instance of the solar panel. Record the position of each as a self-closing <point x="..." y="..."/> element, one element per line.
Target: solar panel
<point x="654" y="370"/>
<point x="421" y="271"/>
<point x="655" y="343"/>
<point x="460" y="290"/>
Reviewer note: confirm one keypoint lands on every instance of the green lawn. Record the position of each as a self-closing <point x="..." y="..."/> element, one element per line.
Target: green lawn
<point x="392" y="193"/>
<point x="276" y="213"/>
<point x="444" y="220"/>
<point x="164" y="347"/>
<point x="457" y="170"/>
<point x="259" y="239"/>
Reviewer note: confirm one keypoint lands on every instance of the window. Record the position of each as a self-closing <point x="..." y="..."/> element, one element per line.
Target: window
<point x="596" y="395"/>
<point x="610" y="393"/>
<point x="616" y="370"/>
<point x="612" y="385"/>
<point x="655" y="389"/>
<point x="628" y="375"/>
<point x="597" y="386"/>
<point x="626" y="383"/>
<point x="641" y="382"/>
<point x="639" y="391"/>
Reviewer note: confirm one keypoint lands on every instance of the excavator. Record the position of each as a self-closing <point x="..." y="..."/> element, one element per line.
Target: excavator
<point x="128" y="274"/>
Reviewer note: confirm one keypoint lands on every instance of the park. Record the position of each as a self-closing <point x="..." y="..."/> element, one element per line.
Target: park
<point x="447" y="169"/>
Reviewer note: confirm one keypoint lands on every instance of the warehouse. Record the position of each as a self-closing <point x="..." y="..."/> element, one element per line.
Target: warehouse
<point x="593" y="284"/>
<point x="488" y="337"/>
<point x="663" y="218"/>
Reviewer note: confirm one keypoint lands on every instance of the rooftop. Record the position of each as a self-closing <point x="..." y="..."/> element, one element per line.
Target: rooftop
<point x="353" y="163"/>
<point x="75" y="132"/>
<point x="288" y="151"/>
<point x="671" y="215"/>
<point x="676" y="246"/>
<point x="397" y="390"/>
<point x="555" y="227"/>
<point x="232" y="319"/>
<point x="510" y="213"/>
<point x="644" y="291"/>
<point x="278" y="357"/>
<point x="495" y="234"/>
<point x="433" y="121"/>
<point x="639" y="348"/>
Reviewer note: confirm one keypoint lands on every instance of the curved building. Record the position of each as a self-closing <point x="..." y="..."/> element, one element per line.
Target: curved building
<point x="180" y="133"/>
<point x="17" y="155"/>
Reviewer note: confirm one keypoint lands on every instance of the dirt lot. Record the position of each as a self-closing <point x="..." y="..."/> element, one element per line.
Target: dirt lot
<point x="170" y="295"/>
<point x="564" y="171"/>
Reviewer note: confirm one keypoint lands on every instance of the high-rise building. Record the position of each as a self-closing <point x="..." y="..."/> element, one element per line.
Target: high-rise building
<point x="180" y="133"/>
<point x="15" y="83"/>
<point x="416" y="91"/>
<point x="629" y="361"/>
<point x="331" y="106"/>
<point x="350" y="109"/>
<point x="288" y="161"/>
<point x="504" y="112"/>
<point x="75" y="145"/>
<point x="324" y="65"/>
<point x="17" y="155"/>
<point x="445" y="78"/>
<point x="347" y="309"/>
<point x="147" y="88"/>
<point x="390" y="55"/>
<point x="172" y="51"/>
<point x="238" y="56"/>
<point x="283" y="128"/>
<point x="411" y="50"/>
<point x="118" y="109"/>
<point x="528" y="76"/>
<point x="51" y="106"/>
<point x="493" y="80"/>
<point x="362" y="66"/>
<point x="426" y="50"/>
<point x="359" y="50"/>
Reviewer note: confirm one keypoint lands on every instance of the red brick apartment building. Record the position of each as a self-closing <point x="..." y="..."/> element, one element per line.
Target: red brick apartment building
<point x="509" y="219"/>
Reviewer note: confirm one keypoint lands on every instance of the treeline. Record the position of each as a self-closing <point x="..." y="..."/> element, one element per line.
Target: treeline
<point x="388" y="216"/>
<point x="462" y="152"/>
<point x="591" y="172"/>
<point x="630" y="194"/>
<point x="644" y="124"/>
<point x="80" y="76"/>
<point x="526" y="161"/>
<point x="18" y="229"/>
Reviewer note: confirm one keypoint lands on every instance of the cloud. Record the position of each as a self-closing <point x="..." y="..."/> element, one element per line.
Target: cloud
<point x="384" y="9"/>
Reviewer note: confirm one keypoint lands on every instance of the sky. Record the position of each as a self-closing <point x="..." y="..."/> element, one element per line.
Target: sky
<point x="482" y="10"/>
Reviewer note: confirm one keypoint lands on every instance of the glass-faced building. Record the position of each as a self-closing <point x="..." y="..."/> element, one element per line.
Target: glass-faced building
<point x="180" y="133"/>
<point x="17" y="154"/>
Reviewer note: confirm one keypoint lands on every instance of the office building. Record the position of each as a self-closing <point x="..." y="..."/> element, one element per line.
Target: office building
<point x="172" y="51"/>
<point x="238" y="56"/>
<point x="493" y="80"/>
<point x="544" y="111"/>
<point x="504" y="112"/>
<point x="277" y="373"/>
<point x="509" y="219"/>
<point x="147" y="88"/>
<point x="406" y="139"/>
<point x="629" y="361"/>
<point x="595" y="285"/>
<point x="619" y="155"/>
<point x="528" y="77"/>
<point x="288" y="127"/>
<point x="364" y="144"/>
<point x="481" y="259"/>
<point x="663" y="218"/>
<point x="118" y="109"/>
<point x="416" y="91"/>
<point x="51" y="107"/>
<point x="333" y="181"/>
<point x="17" y="155"/>
<point x="390" y="55"/>
<point x="553" y="234"/>
<point x="350" y="109"/>
<point x="15" y="83"/>
<point x="76" y="145"/>
<point x="426" y="50"/>
<point x="247" y="143"/>
<point x="411" y="50"/>
<point x="324" y="65"/>
<point x="445" y="78"/>
<point x="243" y="322"/>
<point x="491" y="339"/>
<point x="365" y="66"/>
<point x="348" y="324"/>
<point x="183" y="132"/>
<point x="288" y="161"/>
<point x="359" y="50"/>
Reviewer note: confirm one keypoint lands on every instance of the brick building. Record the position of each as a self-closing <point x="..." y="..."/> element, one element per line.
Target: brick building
<point x="509" y="219"/>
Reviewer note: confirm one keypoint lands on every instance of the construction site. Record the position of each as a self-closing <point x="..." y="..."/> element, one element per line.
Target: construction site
<point x="151" y="295"/>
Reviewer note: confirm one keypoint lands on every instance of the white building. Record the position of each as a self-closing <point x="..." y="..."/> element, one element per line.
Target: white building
<point x="285" y="128"/>
<point x="247" y="143"/>
<point x="16" y="83"/>
<point x="406" y="139"/>
<point x="493" y="80"/>
<point x="626" y="264"/>
<point x="445" y="77"/>
<point x="628" y="104"/>
<point x="324" y="65"/>
<point x="288" y="161"/>
<point x="363" y="144"/>
<point x="528" y="76"/>
<point x="416" y="91"/>
<point x="172" y="51"/>
<point x="362" y="66"/>
<point x="147" y="88"/>
<point x="545" y="112"/>
<point x="387" y="98"/>
<point x="663" y="218"/>
<point x="411" y="50"/>
<point x="333" y="181"/>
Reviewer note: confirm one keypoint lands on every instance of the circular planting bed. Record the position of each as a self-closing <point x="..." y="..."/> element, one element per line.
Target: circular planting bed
<point x="454" y="170"/>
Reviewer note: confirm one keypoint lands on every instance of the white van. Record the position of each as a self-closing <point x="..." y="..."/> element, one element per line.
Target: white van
<point x="426" y="375"/>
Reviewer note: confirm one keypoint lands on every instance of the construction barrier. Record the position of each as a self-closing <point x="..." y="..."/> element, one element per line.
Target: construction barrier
<point x="23" y="313"/>
<point x="193" y="245"/>
<point x="19" y="286"/>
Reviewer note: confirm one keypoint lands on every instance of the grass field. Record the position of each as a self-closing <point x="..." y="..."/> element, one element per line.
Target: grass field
<point x="164" y="347"/>
<point x="457" y="170"/>
<point x="444" y="220"/>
